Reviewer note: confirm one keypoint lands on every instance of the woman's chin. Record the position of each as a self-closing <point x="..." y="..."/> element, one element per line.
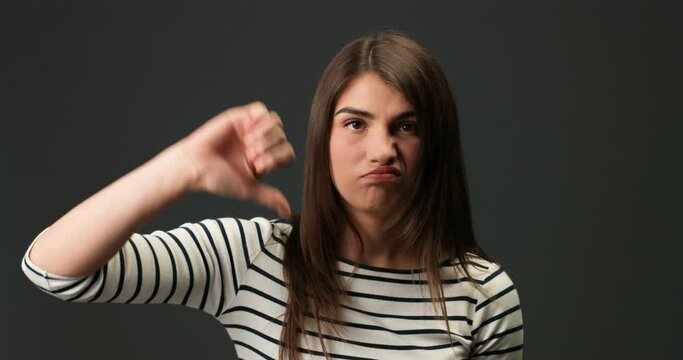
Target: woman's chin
<point x="384" y="210"/>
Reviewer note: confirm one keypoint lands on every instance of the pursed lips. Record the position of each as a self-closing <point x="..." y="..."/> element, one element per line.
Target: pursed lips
<point x="384" y="170"/>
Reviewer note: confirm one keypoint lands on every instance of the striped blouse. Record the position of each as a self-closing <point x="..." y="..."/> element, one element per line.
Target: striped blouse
<point x="232" y="269"/>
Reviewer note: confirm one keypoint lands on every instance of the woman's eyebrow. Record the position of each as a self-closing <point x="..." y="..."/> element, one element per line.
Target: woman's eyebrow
<point x="367" y="114"/>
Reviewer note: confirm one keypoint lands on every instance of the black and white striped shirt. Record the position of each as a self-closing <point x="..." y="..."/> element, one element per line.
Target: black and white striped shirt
<point x="232" y="269"/>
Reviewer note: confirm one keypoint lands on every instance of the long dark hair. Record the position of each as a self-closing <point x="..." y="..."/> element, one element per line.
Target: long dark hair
<point x="435" y="223"/>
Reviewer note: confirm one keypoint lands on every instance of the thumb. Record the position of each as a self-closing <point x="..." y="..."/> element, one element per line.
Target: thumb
<point x="271" y="197"/>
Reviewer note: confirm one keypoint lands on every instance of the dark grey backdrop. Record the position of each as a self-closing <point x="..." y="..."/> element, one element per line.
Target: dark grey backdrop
<point x="571" y="128"/>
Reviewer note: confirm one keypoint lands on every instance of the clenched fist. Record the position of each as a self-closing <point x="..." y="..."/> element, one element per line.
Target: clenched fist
<point x="232" y="150"/>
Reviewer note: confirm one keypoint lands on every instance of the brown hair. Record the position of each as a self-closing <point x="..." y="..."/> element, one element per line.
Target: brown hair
<point x="436" y="222"/>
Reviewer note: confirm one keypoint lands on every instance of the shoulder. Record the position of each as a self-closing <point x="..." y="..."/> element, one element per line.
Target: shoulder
<point x="492" y="281"/>
<point x="498" y="311"/>
<point x="491" y="275"/>
<point x="257" y="227"/>
<point x="497" y="322"/>
<point x="280" y="231"/>
<point x="486" y="282"/>
<point x="248" y="236"/>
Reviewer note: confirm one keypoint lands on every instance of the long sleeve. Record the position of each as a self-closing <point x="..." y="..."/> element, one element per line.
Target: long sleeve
<point x="199" y="265"/>
<point x="498" y="331"/>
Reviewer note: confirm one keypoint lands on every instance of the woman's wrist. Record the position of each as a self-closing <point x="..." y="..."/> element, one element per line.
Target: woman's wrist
<point x="176" y="170"/>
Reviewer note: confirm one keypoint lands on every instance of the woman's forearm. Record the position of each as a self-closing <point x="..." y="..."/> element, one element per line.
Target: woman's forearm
<point x="225" y="156"/>
<point x="86" y="237"/>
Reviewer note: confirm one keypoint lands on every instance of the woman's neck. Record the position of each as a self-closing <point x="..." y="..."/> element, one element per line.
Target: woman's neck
<point x="379" y="249"/>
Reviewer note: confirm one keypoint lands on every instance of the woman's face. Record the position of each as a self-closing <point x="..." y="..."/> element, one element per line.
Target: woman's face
<point x="374" y="129"/>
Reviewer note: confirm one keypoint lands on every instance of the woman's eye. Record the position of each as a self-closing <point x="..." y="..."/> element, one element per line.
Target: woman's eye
<point x="354" y="124"/>
<point x="409" y="126"/>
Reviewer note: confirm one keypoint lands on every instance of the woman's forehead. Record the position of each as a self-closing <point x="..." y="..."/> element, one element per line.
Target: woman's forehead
<point x="368" y="92"/>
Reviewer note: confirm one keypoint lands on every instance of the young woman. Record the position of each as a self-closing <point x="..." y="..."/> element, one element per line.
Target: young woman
<point x="381" y="263"/>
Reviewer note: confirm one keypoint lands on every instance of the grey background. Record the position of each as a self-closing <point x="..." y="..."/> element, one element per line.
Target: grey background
<point x="571" y="128"/>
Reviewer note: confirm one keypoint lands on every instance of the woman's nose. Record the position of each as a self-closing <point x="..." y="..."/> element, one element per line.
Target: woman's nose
<point x="382" y="147"/>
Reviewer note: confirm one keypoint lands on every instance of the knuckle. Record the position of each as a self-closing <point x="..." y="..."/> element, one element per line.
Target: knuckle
<point x="256" y="151"/>
<point x="256" y="165"/>
<point x="268" y="163"/>
<point x="275" y="135"/>
<point x="236" y="114"/>
<point x="250" y="153"/>
<point x="257" y="104"/>
<point x="257" y="108"/>
<point x="280" y="132"/>
<point x="227" y="114"/>
<point x="276" y="119"/>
